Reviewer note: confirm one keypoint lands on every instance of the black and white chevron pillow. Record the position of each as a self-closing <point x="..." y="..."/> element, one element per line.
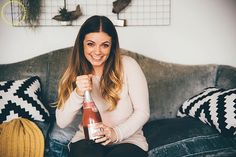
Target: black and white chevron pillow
<point x="215" y="107"/>
<point x="22" y="98"/>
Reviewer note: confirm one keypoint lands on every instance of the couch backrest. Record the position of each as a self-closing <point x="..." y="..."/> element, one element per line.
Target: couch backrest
<point x="48" y="67"/>
<point x="226" y="77"/>
<point x="169" y="84"/>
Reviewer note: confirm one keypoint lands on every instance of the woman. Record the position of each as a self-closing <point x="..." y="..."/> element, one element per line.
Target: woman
<point x="118" y="87"/>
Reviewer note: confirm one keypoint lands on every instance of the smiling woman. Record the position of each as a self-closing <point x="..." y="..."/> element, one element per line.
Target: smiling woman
<point x="97" y="48"/>
<point x="97" y="65"/>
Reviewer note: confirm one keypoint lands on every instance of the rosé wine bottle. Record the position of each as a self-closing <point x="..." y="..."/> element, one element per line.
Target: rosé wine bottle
<point x="91" y="117"/>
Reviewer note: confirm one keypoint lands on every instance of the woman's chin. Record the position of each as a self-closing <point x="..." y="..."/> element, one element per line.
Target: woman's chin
<point x="97" y="64"/>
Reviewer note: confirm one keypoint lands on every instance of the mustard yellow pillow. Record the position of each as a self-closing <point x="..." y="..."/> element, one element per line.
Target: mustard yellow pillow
<point x="21" y="138"/>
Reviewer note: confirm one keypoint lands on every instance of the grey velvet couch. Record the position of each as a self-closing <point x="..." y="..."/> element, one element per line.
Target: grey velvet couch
<point x="169" y="86"/>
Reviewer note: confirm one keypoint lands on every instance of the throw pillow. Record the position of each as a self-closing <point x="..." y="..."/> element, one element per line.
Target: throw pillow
<point x="22" y="98"/>
<point x="213" y="106"/>
<point x="21" y="138"/>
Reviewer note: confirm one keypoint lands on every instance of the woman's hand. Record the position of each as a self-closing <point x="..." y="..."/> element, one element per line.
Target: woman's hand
<point x="83" y="83"/>
<point x="107" y="134"/>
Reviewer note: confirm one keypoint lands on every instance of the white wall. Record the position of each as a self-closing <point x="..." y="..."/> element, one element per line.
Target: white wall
<point x="201" y="32"/>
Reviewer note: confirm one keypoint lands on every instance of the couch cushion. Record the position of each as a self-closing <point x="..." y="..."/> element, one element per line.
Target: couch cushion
<point x="22" y="98"/>
<point x="213" y="106"/>
<point x="186" y="137"/>
<point x="21" y="138"/>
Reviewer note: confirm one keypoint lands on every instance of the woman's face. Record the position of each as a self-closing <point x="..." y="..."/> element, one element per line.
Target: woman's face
<point x="97" y="48"/>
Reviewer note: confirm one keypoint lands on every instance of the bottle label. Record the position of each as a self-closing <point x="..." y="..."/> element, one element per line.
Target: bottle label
<point x="92" y="130"/>
<point x="91" y="105"/>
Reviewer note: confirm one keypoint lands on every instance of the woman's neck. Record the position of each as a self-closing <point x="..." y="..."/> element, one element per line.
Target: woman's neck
<point x="98" y="71"/>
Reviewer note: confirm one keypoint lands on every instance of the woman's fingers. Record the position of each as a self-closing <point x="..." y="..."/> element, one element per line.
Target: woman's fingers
<point x="106" y="142"/>
<point x="101" y="139"/>
<point x="106" y="135"/>
<point x="83" y="83"/>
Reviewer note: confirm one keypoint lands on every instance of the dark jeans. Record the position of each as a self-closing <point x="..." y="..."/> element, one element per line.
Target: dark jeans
<point x="58" y="149"/>
<point x="85" y="148"/>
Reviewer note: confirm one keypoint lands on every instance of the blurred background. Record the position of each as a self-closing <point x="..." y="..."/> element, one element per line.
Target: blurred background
<point x="196" y="32"/>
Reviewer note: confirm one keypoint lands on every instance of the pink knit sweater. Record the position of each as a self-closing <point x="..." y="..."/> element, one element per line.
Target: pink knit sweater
<point x="131" y="113"/>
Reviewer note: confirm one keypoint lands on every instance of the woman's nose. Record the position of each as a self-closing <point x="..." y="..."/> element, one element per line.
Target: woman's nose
<point x="97" y="50"/>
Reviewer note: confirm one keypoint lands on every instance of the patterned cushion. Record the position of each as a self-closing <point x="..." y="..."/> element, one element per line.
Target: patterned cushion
<point x="215" y="107"/>
<point x="22" y="98"/>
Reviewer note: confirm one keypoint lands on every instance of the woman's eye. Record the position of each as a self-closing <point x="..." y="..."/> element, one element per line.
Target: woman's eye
<point x="106" y="45"/>
<point x="90" y="44"/>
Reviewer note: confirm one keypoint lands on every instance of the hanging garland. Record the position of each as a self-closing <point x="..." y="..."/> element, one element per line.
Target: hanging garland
<point x="32" y="11"/>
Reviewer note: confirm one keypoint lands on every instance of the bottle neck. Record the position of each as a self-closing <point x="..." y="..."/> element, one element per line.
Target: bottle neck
<point x="87" y="96"/>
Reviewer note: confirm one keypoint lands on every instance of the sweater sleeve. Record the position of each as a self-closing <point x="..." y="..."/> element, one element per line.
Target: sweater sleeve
<point x="66" y="114"/>
<point x="138" y="92"/>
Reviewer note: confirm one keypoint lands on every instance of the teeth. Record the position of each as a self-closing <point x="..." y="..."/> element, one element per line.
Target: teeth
<point x="96" y="58"/>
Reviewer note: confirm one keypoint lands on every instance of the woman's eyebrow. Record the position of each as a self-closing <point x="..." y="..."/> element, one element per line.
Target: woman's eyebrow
<point x="89" y="41"/>
<point x="105" y="42"/>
